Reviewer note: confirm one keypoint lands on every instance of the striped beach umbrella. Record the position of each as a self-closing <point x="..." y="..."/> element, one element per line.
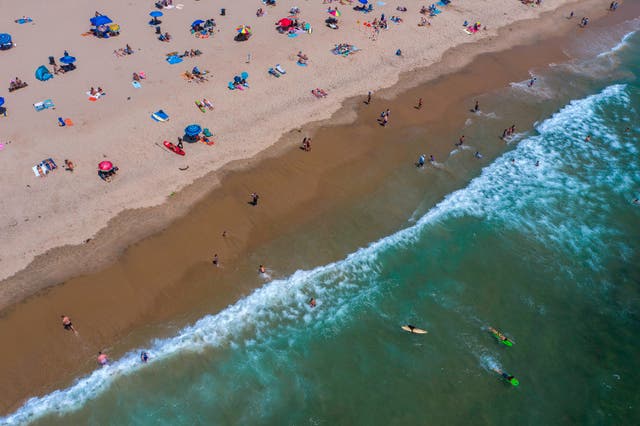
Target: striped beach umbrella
<point x="244" y="29"/>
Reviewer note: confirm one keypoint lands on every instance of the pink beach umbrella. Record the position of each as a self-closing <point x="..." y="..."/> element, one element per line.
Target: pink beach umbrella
<point x="105" y="166"/>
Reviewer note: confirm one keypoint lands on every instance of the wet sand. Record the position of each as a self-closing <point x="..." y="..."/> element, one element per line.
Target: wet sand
<point x="168" y="277"/>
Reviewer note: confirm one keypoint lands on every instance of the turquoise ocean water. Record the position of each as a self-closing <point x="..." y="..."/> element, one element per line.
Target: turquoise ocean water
<point x="548" y="254"/>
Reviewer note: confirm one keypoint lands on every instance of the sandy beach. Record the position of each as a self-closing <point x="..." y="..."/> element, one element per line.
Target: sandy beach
<point x="118" y="127"/>
<point x="151" y="191"/>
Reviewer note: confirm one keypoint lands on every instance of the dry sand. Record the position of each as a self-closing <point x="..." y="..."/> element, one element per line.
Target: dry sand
<point x="68" y="208"/>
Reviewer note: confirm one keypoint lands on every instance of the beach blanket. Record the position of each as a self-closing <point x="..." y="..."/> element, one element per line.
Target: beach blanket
<point x="44" y="167"/>
<point x="136" y="84"/>
<point x="160" y="115"/>
<point x="23" y="20"/>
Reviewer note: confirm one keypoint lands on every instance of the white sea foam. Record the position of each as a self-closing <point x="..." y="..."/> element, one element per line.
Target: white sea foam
<point x="504" y="192"/>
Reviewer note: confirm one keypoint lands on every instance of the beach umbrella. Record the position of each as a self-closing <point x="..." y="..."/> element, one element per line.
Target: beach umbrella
<point x="155" y="14"/>
<point x="68" y="59"/>
<point x="244" y="29"/>
<point x="105" y="166"/>
<point x="5" y="41"/>
<point x="1" y="101"/>
<point x="285" y="22"/>
<point x="192" y="130"/>
<point x="100" y="20"/>
<point x="335" y="13"/>
<point x="364" y="1"/>
<point x="244" y="75"/>
<point x="197" y="22"/>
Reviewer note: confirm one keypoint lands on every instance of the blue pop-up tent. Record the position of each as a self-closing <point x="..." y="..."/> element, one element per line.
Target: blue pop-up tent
<point x="5" y="41"/>
<point x="43" y="74"/>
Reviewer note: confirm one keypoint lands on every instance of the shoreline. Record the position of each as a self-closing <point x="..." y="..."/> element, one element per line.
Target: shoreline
<point x="223" y="293"/>
<point x="104" y="246"/>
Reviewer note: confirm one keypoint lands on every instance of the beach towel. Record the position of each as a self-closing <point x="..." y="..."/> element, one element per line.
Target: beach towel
<point x="23" y="20"/>
<point x="293" y="35"/>
<point x="95" y="97"/>
<point x="441" y="3"/>
<point x="136" y="84"/>
<point x="302" y="64"/>
<point x="231" y="86"/>
<point x="207" y="132"/>
<point x="39" y="106"/>
<point x="160" y="115"/>
<point x="61" y="122"/>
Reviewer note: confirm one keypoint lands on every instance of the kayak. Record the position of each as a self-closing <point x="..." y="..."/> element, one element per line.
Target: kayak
<point x="174" y="148"/>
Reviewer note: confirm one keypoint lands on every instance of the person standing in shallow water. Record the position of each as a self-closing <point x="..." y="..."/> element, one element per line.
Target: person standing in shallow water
<point x="476" y="107"/>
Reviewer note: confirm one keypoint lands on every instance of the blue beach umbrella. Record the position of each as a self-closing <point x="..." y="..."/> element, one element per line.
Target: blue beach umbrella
<point x="197" y="22"/>
<point x="1" y="101"/>
<point x="68" y="59"/>
<point x="192" y="130"/>
<point x="364" y="1"/>
<point x="5" y="41"/>
<point x="244" y="75"/>
<point x="100" y="20"/>
<point x="155" y="14"/>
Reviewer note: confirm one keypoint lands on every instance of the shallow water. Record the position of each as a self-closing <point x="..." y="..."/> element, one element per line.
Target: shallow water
<point x="548" y="254"/>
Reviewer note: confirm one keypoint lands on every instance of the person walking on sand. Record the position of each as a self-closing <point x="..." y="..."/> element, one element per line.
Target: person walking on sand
<point x="368" y="98"/>
<point x="460" y="141"/>
<point x="254" y="199"/>
<point x="215" y="260"/>
<point x="419" y="106"/>
<point x="66" y="323"/>
<point x="476" y="107"/>
<point x="308" y="147"/>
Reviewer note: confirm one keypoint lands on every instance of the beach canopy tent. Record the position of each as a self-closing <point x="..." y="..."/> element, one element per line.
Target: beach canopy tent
<point x="43" y="74"/>
<point x="5" y="41"/>
<point x="192" y="130"/>
<point x="68" y="59"/>
<point x="96" y="21"/>
<point x="197" y="22"/>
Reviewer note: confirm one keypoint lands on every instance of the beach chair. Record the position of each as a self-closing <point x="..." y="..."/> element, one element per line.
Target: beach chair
<point x="280" y="69"/>
<point x="274" y="73"/>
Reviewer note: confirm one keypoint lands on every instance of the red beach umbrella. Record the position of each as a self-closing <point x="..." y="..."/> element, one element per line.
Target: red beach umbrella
<point x="285" y="22"/>
<point x="105" y="166"/>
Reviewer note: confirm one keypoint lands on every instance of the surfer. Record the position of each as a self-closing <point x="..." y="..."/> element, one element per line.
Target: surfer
<point x="509" y="378"/>
<point x="411" y="328"/>
<point x="144" y="357"/>
<point x="66" y="323"/>
<point x="500" y="336"/>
